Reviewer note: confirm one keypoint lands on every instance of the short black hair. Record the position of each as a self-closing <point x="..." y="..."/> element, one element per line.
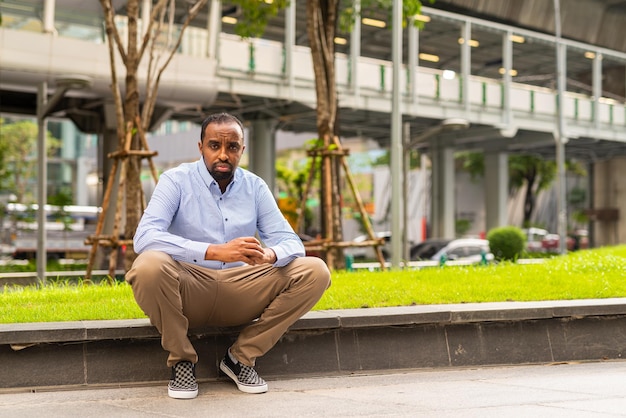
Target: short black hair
<point x="219" y="118"/>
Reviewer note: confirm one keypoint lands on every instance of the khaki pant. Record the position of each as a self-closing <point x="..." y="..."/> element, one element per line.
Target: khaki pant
<point x="177" y="296"/>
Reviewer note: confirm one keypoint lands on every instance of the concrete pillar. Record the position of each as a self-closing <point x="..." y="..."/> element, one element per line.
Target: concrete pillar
<point x="591" y="185"/>
<point x="261" y="146"/>
<point x="108" y="141"/>
<point x="609" y="194"/>
<point x="355" y="51"/>
<point x="68" y="135"/>
<point x="496" y="189"/>
<point x="443" y="185"/>
<point x="81" y="195"/>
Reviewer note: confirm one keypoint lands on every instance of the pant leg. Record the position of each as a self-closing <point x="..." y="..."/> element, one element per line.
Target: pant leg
<point x="177" y="296"/>
<point x="160" y="285"/>
<point x="276" y="296"/>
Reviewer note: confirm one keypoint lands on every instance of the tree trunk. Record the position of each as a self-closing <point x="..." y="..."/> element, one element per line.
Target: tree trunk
<point x="129" y="123"/>
<point x="529" y="198"/>
<point x="132" y="186"/>
<point x="321" y="29"/>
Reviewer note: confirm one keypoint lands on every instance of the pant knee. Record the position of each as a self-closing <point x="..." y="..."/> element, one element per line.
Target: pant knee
<point x="317" y="272"/>
<point x="148" y="267"/>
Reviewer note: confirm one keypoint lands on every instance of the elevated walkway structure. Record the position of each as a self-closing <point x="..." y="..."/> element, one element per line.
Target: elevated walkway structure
<point x="500" y="78"/>
<point x="282" y="71"/>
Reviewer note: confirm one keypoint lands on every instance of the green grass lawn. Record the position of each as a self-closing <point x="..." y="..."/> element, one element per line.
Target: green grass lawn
<point x="598" y="273"/>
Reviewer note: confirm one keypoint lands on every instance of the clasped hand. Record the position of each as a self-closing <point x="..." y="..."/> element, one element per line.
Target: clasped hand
<point x="246" y="249"/>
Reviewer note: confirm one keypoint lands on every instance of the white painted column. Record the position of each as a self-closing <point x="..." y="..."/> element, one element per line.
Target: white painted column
<point x="355" y="52"/>
<point x="413" y="50"/>
<point x="48" y="16"/>
<point x="507" y="64"/>
<point x="496" y="189"/>
<point x="596" y="88"/>
<point x="214" y="28"/>
<point x="290" y="41"/>
<point x="466" y="63"/>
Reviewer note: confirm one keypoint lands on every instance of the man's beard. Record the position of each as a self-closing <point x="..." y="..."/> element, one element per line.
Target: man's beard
<point x="221" y="175"/>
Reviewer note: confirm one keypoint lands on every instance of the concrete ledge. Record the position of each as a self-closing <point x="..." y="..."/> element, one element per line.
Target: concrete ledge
<point x="339" y="341"/>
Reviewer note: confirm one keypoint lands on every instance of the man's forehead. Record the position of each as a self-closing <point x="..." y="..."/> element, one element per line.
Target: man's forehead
<point x="227" y="129"/>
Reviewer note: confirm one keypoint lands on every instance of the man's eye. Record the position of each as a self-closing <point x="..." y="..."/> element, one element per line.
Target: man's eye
<point x="214" y="146"/>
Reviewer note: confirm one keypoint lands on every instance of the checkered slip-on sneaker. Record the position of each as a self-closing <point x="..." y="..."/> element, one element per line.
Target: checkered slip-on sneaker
<point x="245" y="377"/>
<point x="183" y="382"/>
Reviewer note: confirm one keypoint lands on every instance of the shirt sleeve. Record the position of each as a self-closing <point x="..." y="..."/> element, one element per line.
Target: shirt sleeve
<point x="275" y="231"/>
<point x="152" y="232"/>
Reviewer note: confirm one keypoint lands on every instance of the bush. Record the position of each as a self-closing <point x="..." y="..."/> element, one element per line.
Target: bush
<point x="506" y="242"/>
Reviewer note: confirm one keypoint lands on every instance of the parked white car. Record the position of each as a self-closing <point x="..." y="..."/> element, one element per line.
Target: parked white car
<point x="368" y="253"/>
<point x="465" y="249"/>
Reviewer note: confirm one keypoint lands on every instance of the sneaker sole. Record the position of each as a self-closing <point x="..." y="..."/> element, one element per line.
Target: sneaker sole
<point x="182" y="394"/>
<point x="242" y="387"/>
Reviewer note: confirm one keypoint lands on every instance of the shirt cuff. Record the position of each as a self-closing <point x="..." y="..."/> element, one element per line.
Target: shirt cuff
<point x="196" y="252"/>
<point x="282" y="258"/>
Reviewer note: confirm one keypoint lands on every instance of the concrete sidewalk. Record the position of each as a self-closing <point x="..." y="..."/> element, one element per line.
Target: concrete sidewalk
<point x="557" y="390"/>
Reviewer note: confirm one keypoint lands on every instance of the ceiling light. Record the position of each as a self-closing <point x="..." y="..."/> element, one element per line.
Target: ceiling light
<point x="518" y="39"/>
<point x="229" y="20"/>
<point x="448" y="74"/>
<point x="428" y="57"/>
<point x="422" y="18"/>
<point x="340" y="41"/>
<point x="512" y="72"/>
<point x="473" y="42"/>
<point x="373" y="22"/>
<point x="589" y="54"/>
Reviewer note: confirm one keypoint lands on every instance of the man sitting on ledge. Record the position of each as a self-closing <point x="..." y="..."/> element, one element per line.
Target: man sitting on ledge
<point x="199" y="262"/>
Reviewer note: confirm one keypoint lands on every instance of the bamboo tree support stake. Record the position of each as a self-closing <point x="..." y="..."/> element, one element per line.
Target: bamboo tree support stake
<point x="117" y="219"/>
<point x="144" y="144"/>
<point x="364" y="217"/>
<point x="328" y="153"/>
<point x="327" y="199"/>
<point x="307" y="189"/>
<point x="100" y="225"/>
<point x="113" y="241"/>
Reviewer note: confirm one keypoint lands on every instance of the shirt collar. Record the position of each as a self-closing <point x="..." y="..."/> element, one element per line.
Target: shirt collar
<point x="208" y="178"/>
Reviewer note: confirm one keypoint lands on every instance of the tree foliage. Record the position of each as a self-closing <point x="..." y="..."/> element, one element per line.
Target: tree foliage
<point x="18" y="157"/>
<point x="255" y="15"/>
<point x="532" y="171"/>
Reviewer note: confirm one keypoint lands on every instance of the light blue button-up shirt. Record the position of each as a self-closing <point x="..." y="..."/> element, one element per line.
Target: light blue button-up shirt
<point x="188" y="212"/>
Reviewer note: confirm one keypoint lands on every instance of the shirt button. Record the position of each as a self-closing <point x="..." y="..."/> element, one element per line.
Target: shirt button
<point x="225" y="219"/>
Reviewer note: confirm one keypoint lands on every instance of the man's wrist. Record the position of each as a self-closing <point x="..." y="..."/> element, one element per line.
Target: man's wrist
<point x="273" y="256"/>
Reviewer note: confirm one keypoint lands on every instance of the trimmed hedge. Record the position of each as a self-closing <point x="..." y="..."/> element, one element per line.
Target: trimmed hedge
<point x="506" y="242"/>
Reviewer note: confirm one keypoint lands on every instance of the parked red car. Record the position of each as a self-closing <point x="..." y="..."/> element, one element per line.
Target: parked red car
<point x="579" y="241"/>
